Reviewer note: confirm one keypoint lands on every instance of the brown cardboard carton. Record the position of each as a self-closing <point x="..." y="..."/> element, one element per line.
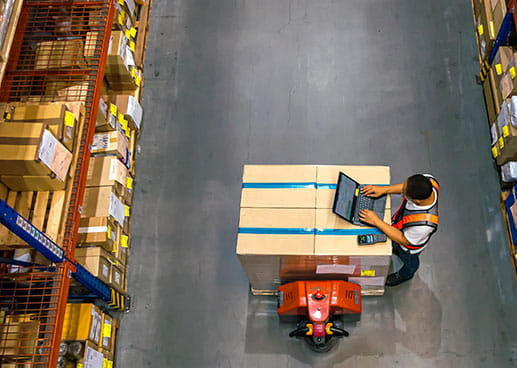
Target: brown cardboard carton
<point x="128" y="192"/>
<point x="335" y="243"/>
<point x="103" y="202"/>
<point x="327" y="176"/>
<point x="58" y="118"/>
<point x="112" y="143"/>
<point x="303" y="196"/>
<point x="499" y="9"/>
<point x="32" y="183"/>
<point x="19" y="335"/>
<point x="3" y="191"/>
<point x="30" y="149"/>
<point x="267" y="240"/>
<point x="106" y="332"/>
<point x="59" y="54"/>
<point x="82" y="322"/>
<point x="92" y="357"/>
<point x="107" y="171"/>
<point x="501" y="63"/>
<point x="96" y="260"/>
<point x="99" y="231"/>
<point x="491" y="100"/>
<point x="130" y="108"/>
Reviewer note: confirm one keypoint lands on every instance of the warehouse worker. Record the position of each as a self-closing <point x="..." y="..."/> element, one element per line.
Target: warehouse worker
<point x="413" y="223"/>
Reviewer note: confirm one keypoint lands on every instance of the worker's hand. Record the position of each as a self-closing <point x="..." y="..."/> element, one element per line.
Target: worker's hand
<point x="373" y="191"/>
<point x="369" y="217"/>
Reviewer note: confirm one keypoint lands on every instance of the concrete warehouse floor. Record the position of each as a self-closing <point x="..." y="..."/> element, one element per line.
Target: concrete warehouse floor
<point x="362" y="82"/>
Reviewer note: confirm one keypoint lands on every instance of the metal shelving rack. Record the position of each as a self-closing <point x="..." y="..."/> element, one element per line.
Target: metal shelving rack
<point x="38" y="294"/>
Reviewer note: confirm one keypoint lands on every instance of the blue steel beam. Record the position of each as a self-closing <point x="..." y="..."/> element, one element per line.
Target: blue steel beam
<point x="53" y="252"/>
<point x="502" y="35"/>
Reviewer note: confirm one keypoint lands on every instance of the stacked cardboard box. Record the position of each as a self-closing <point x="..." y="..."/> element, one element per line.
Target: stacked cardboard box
<point x="488" y="17"/>
<point x="287" y="230"/>
<point x="89" y="337"/>
<point x="19" y="334"/>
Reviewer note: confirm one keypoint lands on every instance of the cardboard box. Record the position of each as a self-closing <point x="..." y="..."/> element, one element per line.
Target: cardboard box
<point x="97" y="261"/>
<point x="59" y="54"/>
<point x="118" y="274"/>
<point x="19" y="335"/>
<point x="92" y="357"/>
<point x="30" y="149"/>
<point x="32" y="183"/>
<point x="82" y="322"/>
<point x="501" y="62"/>
<point x="276" y="231"/>
<point x="129" y="190"/>
<point x="3" y="191"/>
<point x="491" y="100"/>
<point x="106" y="332"/>
<point x="280" y="186"/>
<point x="103" y="202"/>
<point x="327" y="177"/>
<point x="59" y="119"/>
<point x="107" y="171"/>
<point x="98" y="231"/>
<point x="110" y="143"/>
<point x="130" y="108"/>
<point x="499" y="9"/>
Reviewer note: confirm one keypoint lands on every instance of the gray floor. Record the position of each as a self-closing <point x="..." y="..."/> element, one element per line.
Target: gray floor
<point x="367" y="82"/>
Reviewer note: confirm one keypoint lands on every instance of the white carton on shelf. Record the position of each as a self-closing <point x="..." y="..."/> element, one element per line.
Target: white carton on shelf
<point x="509" y="172"/>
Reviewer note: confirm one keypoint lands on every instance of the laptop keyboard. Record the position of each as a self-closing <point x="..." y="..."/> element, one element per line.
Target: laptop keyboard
<point x="363" y="203"/>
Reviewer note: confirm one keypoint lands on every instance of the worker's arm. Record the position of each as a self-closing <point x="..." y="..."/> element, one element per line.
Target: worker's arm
<point x="393" y="233"/>
<point x="377" y="190"/>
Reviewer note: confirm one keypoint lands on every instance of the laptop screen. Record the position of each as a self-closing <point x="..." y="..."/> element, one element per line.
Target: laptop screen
<point x="344" y="200"/>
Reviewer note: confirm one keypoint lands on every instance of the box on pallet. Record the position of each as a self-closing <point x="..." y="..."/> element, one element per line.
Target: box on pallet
<point x="130" y="108"/>
<point x="118" y="274"/>
<point x="82" y="322"/>
<point x="19" y="336"/>
<point x="61" y="121"/>
<point x="107" y="171"/>
<point x="92" y="357"/>
<point x="31" y="149"/>
<point x="509" y="172"/>
<point x="276" y="244"/>
<point x="110" y="143"/>
<point x="98" y="231"/>
<point x="103" y="202"/>
<point x="59" y="54"/>
<point x="96" y="260"/>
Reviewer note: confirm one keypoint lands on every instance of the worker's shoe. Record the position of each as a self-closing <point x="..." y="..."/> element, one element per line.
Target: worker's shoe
<point x="395" y="279"/>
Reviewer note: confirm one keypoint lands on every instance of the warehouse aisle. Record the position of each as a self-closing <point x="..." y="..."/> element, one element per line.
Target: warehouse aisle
<point x="231" y="82"/>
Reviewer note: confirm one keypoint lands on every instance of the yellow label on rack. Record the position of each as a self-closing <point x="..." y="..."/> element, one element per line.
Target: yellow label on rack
<point x="513" y="72"/>
<point x="124" y="241"/>
<point x="132" y="31"/>
<point x="499" y="69"/>
<point x="110" y="364"/>
<point x="127" y="33"/>
<point x="109" y="232"/>
<point x="80" y="365"/>
<point x="495" y="153"/>
<point x="127" y="210"/>
<point x="113" y="109"/>
<point x="481" y="30"/>
<point x="506" y="131"/>
<point x="128" y="132"/>
<point x="69" y="119"/>
<point x="367" y="272"/>
<point x="106" y="331"/>
<point x="129" y="182"/>
<point x="501" y="143"/>
<point x="121" y="2"/>
<point x="120" y="18"/>
<point x="492" y="29"/>
<point x="115" y="246"/>
<point x="137" y="81"/>
<point x="105" y="363"/>
<point x="132" y="45"/>
<point x="133" y="72"/>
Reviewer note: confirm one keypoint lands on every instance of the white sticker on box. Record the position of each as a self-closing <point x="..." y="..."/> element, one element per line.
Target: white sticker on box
<point x="335" y="268"/>
<point x="47" y="148"/>
<point x="96" y="325"/>
<point x="118" y="171"/>
<point x="117" y="209"/>
<point x="105" y="270"/>
<point x="131" y="6"/>
<point x="100" y="142"/>
<point x="370" y="281"/>
<point x="93" y="229"/>
<point x="512" y="110"/>
<point x="129" y="59"/>
<point x="135" y="111"/>
<point x="110" y="44"/>
<point x="61" y="161"/>
<point x="493" y="132"/>
<point x="93" y="359"/>
<point x="117" y="278"/>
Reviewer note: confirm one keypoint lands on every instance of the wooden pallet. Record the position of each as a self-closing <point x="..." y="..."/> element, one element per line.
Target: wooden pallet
<point x="142" y="25"/>
<point x="8" y="41"/>
<point x="46" y="210"/>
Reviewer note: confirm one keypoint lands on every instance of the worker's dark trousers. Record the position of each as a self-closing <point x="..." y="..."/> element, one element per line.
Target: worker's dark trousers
<point x="410" y="261"/>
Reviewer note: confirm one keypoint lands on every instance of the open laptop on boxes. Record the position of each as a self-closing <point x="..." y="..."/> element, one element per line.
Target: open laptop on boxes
<point x="349" y="201"/>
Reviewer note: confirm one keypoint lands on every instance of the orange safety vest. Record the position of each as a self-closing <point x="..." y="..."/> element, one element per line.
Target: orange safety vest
<point x="405" y="218"/>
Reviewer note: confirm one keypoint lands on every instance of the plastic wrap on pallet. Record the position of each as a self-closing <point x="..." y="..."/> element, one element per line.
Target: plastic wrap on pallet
<point x="503" y="118"/>
<point x="512" y="110"/>
<point x="509" y="172"/>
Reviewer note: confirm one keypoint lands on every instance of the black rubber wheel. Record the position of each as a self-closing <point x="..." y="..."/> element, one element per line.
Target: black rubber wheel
<point x="321" y="348"/>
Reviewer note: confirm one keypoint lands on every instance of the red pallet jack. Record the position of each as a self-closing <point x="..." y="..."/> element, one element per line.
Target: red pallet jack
<point x="320" y="305"/>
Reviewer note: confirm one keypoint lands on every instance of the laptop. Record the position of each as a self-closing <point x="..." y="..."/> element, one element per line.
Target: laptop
<point x="349" y="201"/>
